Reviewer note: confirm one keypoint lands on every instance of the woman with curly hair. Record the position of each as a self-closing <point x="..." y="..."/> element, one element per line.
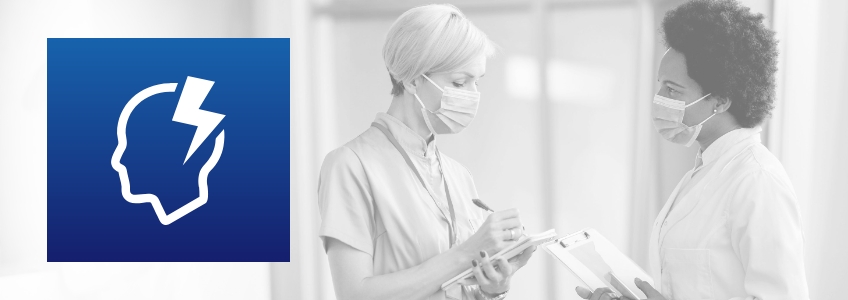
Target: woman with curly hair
<point x="731" y="229"/>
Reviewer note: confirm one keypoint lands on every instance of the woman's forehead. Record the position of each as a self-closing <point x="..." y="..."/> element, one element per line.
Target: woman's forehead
<point x="474" y="68"/>
<point x="673" y="67"/>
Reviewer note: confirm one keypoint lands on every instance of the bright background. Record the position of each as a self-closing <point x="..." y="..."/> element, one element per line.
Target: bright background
<point x="563" y="131"/>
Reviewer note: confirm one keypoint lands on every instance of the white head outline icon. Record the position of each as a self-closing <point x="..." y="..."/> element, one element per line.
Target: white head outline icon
<point x="188" y="112"/>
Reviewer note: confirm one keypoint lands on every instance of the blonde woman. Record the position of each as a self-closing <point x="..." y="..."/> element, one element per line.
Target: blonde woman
<point x="397" y="214"/>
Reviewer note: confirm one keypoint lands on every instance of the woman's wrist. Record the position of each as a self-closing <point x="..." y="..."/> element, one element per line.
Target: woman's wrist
<point x="493" y="295"/>
<point x="464" y="256"/>
<point x="483" y="295"/>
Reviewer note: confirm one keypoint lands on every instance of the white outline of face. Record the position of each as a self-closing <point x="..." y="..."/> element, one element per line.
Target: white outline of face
<point x="164" y="217"/>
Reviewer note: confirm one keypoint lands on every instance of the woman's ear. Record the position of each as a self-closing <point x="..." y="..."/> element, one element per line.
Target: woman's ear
<point x="722" y="104"/>
<point x="411" y="86"/>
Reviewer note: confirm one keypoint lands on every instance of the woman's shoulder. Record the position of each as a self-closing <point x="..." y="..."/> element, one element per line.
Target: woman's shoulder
<point x="758" y="162"/>
<point x="367" y="141"/>
<point x="350" y="154"/>
<point x="759" y="176"/>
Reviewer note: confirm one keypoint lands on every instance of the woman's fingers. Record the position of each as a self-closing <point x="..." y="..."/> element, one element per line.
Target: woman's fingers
<point x="504" y="267"/>
<point x="603" y="294"/>
<point x="503" y="215"/>
<point x="598" y="294"/>
<point x="511" y="233"/>
<point x="506" y="235"/>
<point x="489" y="269"/>
<point x="583" y="292"/>
<point x="646" y="288"/>
<point x="519" y="231"/>
<point x="514" y="224"/>
<point x="478" y="273"/>
<point x="521" y="259"/>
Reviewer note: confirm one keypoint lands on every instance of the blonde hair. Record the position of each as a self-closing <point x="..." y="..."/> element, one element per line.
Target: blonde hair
<point x="431" y="39"/>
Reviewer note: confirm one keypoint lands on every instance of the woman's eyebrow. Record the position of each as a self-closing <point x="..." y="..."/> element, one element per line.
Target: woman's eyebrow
<point x="471" y="75"/>
<point x="674" y="83"/>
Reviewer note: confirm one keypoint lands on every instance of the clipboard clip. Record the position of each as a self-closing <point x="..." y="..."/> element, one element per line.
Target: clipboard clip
<point x="564" y="245"/>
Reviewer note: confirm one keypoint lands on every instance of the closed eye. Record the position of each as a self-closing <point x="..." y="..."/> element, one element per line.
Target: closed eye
<point x="671" y="90"/>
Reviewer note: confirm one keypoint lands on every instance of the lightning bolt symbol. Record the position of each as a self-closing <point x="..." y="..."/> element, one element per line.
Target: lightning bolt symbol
<point x="188" y="111"/>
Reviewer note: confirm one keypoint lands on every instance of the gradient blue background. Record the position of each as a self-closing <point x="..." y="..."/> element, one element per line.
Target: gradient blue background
<point x="246" y="217"/>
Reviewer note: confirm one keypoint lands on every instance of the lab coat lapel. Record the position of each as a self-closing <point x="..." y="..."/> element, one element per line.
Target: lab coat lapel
<point x="697" y="192"/>
<point x="655" y="233"/>
<point x="683" y="206"/>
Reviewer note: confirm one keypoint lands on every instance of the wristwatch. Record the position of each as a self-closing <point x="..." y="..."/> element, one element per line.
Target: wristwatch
<point x="477" y="290"/>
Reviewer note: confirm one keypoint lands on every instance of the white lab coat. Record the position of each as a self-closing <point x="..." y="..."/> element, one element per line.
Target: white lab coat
<point x="733" y="230"/>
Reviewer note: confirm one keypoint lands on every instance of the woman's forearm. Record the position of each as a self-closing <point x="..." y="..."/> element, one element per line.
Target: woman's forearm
<point x="352" y="268"/>
<point x="419" y="281"/>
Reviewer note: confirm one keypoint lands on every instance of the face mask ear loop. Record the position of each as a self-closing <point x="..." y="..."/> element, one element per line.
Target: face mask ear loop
<point x="434" y="84"/>
<point x="422" y="103"/>
<point x="424" y="115"/>
<point x="705" y="120"/>
<point x="699" y="100"/>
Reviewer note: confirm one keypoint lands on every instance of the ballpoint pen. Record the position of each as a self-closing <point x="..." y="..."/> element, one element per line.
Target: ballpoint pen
<point x="485" y="207"/>
<point x="482" y="205"/>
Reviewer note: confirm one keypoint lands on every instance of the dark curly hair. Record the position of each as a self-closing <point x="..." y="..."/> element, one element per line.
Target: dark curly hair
<point x="728" y="52"/>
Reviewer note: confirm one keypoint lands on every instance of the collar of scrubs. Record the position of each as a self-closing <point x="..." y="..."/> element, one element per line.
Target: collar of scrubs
<point x="450" y="215"/>
<point x="725" y="143"/>
<point x="408" y="139"/>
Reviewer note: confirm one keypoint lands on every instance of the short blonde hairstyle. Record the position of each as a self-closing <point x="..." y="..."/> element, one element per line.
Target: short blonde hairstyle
<point x="431" y="39"/>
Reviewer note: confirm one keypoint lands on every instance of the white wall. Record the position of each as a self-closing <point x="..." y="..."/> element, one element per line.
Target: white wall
<point x="810" y="137"/>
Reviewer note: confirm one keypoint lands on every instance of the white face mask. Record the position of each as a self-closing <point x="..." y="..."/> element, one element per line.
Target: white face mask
<point x="667" y="115"/>
<point x="458" y="108"/>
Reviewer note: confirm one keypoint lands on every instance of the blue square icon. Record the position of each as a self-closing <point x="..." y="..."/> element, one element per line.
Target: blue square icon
<point x="168" y="150"/>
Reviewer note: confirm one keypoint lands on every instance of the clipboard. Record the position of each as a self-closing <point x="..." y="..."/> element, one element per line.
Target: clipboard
<point x="598" y="263"/>
<point x="509" y="252"/>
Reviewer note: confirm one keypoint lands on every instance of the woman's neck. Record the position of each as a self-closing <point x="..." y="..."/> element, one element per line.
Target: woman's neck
<point x="724" y="125"/>
<point x="403" y="108"/>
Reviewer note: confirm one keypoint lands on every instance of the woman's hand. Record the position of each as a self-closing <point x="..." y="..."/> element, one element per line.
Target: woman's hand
<point x="521" y="259"/>
<point x="496" y="279"/>
<point x="492" y="276"/>
<point x="649" y="291"/>
<point x="607" y="294"/>
<point x="598" y="294"/>
<point x="498" y="231"/>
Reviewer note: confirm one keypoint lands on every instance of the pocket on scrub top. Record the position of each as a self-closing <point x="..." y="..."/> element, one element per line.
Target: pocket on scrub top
<point x="686" y="274"/>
